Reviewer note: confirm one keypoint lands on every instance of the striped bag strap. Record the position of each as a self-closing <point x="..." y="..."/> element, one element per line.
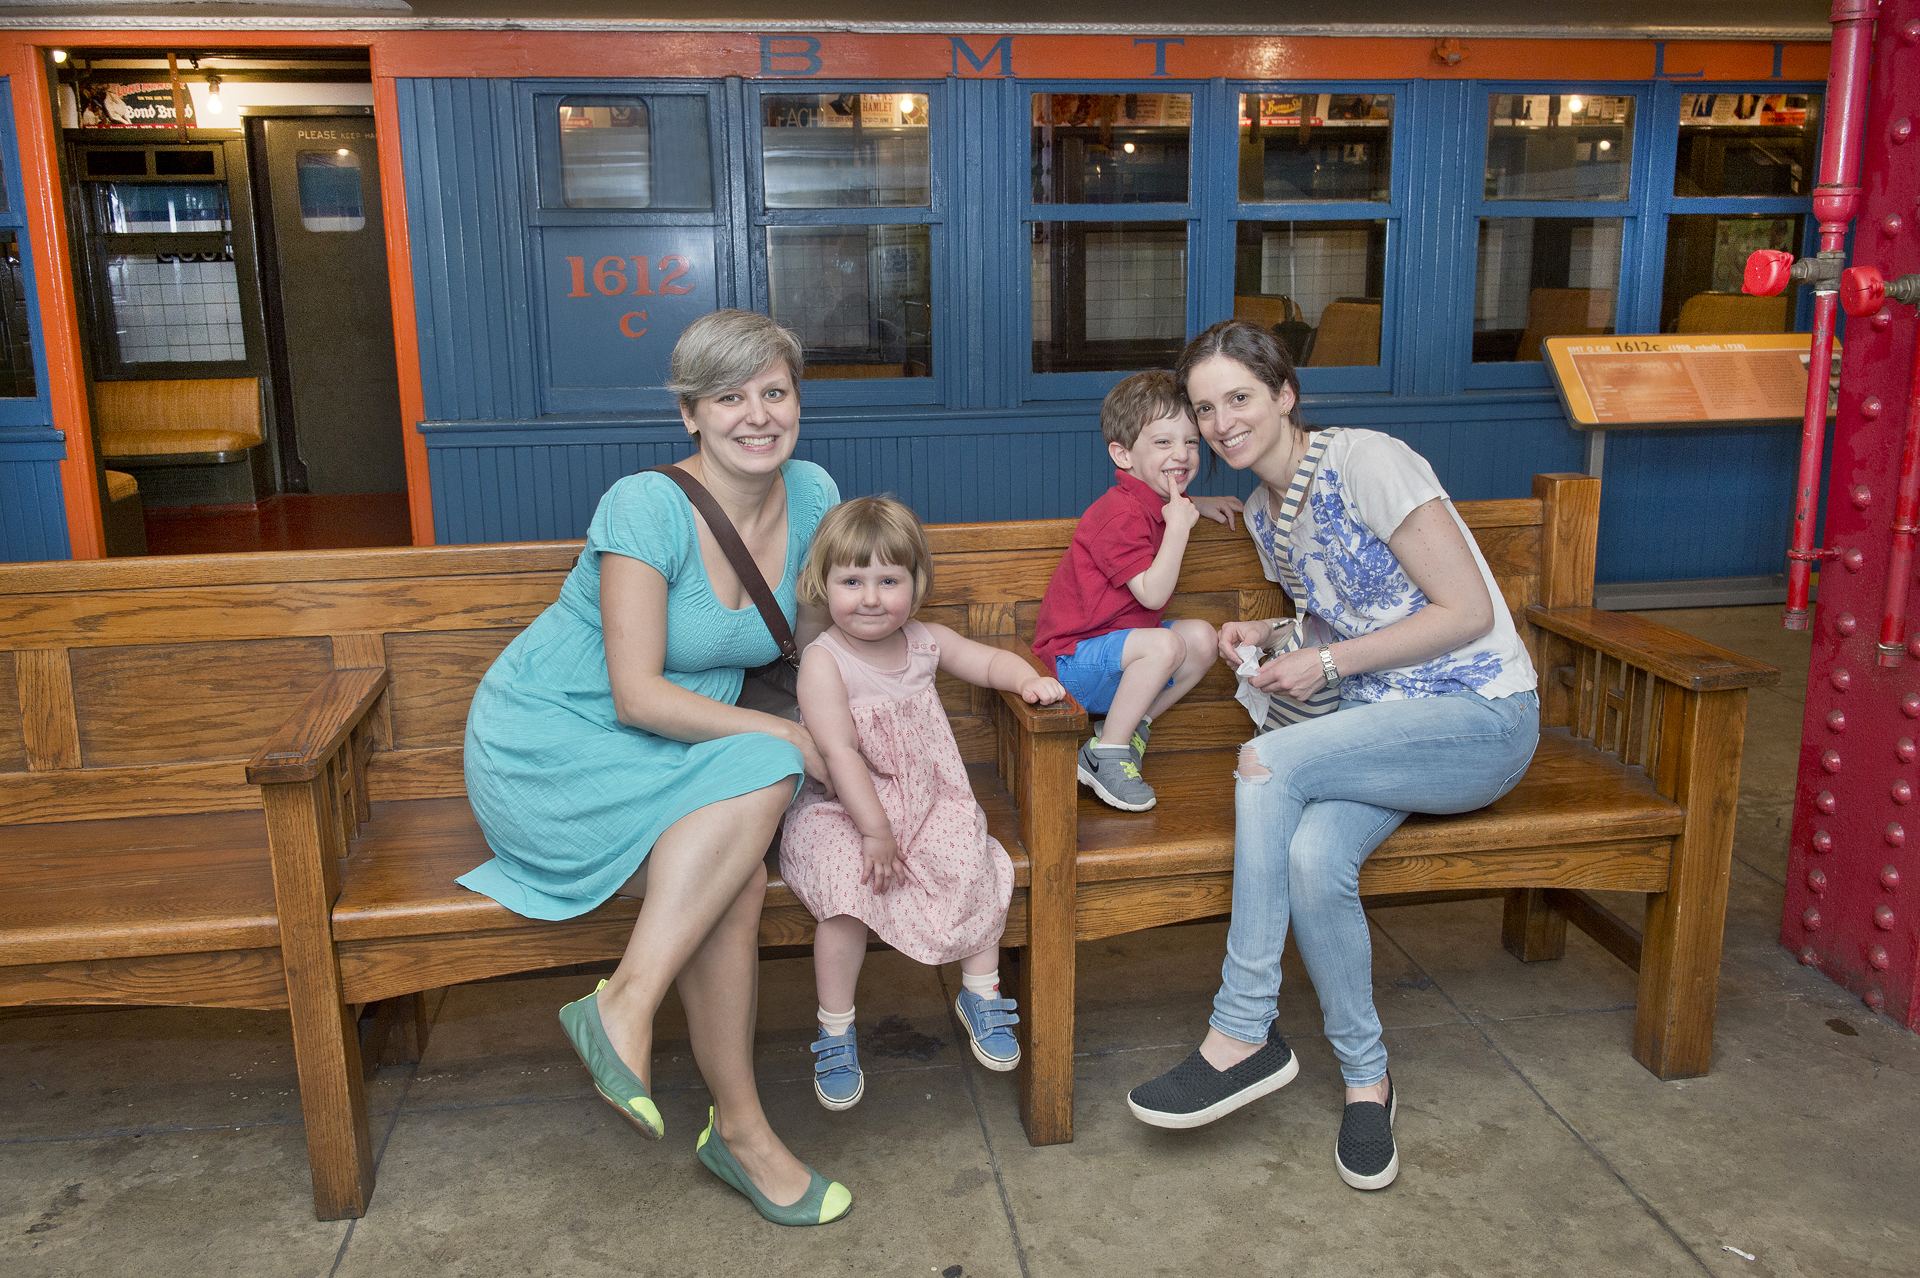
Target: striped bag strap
<point x="1282" y="710"/>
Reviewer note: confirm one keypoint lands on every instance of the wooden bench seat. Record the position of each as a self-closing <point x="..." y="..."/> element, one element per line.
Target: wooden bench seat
<point x="236" y="781"/>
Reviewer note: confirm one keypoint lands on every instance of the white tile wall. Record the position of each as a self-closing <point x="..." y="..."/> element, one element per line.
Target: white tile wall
<point x="1314" y="267"/>
<point x="175" y="311"/>
<point x="1136" y="285"/>
<point x="1596" y="258"/>
<point x="1505" y="272"/>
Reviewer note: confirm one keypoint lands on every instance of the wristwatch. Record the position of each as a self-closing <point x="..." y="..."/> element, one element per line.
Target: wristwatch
<point x="1333" y="671"/>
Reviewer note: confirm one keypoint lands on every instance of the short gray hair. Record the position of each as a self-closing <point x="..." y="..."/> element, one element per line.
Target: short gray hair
<point x="720" y="351"/>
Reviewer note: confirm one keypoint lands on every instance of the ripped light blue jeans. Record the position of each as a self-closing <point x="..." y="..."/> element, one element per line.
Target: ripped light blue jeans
<point x="1337" y="786"/>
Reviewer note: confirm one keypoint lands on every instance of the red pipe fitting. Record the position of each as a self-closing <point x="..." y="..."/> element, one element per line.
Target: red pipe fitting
<point x="1834" y="201"/>
<point x="1863" y="291"/>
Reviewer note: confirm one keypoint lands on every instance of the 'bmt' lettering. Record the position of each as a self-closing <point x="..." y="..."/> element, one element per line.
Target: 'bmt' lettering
<point x="1003" y="46"/>
<point x="808" y="55"/>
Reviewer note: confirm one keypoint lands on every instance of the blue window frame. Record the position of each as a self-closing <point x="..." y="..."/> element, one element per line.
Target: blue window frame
<point x="1333" y="256"/>
<point x="846" y="233"/>
<point x="631" y="231"/>
<point x="23" y="398"/>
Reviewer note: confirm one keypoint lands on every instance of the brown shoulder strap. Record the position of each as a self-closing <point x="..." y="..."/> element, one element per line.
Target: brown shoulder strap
<point x="736" y="552"/>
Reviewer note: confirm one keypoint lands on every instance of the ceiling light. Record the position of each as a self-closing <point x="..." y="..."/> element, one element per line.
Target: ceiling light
<point x="59" y="55"/>
<point x="214" y="105"/>
<point x="1574" y="103"/>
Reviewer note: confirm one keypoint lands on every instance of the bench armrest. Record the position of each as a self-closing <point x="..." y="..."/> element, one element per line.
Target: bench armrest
<point x="301" y="746"/>
<point x="1665" y="653"/>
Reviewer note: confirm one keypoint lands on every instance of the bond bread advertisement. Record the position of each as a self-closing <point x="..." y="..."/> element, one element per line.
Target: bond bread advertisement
<point x="129" y="106"/>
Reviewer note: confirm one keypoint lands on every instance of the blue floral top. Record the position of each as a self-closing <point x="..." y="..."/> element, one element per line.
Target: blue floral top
<point x="1367" y="484"/>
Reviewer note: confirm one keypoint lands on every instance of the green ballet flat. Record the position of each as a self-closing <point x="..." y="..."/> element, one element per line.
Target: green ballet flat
<point x="825" y="1200"/>
<point x="611" y="1077"/>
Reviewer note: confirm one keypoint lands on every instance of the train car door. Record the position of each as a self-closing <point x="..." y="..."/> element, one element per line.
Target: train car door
<point x="329" y="313"/>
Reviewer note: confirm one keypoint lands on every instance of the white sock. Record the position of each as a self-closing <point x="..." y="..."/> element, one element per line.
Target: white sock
<point x="986" y="985"/>
<point x="836" y="1023"/>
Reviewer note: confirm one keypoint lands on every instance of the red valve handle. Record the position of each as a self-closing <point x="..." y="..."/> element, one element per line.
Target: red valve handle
<point x="1862" y="291"/>
<point x="1767" y="272"/>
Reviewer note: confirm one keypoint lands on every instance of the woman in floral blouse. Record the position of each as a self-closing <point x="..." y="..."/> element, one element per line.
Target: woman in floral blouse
<point x="1436" y="713"/>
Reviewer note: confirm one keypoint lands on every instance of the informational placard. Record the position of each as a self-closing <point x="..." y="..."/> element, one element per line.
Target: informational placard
<point x="129" y="106"/>
<point x="1688" y="379"/>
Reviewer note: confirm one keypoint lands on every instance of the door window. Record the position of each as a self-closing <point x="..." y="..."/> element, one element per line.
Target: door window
<point x="330" y="191"/>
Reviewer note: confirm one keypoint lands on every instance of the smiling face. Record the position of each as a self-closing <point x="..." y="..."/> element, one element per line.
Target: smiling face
<point x="1164" y="455"/>
<point x="1243" y="419"/>
<point x="750" y="428"/>
<point x="870" y="603"/>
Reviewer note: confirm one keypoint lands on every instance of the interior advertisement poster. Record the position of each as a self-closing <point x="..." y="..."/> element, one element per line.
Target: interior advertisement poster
<point x="129" y="106"/>
<point x="1612" y="383"/>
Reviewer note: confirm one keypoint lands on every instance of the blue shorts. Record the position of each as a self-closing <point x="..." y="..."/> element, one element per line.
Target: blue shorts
<point x="1091" y="672"/>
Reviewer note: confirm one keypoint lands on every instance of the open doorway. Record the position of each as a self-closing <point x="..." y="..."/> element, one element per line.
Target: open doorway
<point x="227" y="215"/>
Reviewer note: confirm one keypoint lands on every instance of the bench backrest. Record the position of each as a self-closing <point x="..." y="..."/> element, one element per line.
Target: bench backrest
<point x="142" y="686"/>
<point x="177" y="415"/>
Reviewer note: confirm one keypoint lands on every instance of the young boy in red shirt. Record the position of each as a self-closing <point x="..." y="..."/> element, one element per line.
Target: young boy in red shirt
<point x="1100" y="626"/>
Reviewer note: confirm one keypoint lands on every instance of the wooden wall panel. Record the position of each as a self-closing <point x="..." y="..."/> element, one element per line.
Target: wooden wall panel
<point x="434" y="675"/>
<point x="161" y="703"/>
<point x="13" y="748"/>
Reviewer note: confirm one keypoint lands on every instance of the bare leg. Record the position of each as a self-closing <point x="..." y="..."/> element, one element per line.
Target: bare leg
<point x="1148" y="659"/>
<point x="839" y="948"/>
<point x="1199" y="639"/>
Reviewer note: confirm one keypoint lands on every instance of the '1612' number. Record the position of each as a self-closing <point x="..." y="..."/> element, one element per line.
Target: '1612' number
<point x="610" y="276"/>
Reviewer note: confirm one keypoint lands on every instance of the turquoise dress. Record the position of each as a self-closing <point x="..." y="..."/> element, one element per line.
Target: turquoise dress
<point x="571" y="799"/>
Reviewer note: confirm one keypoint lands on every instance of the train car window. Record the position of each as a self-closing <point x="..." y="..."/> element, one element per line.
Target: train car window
<point x="844" y="150"/>
<point x="146" y="208"/>
<point x="104" y="162"/>
<point x="1108" y="295"/>
<point x="16" y="344"/>
<point x="176" y="307"/>
<point x="1111" y="148"/>
<point x="1735" y="144"/>
<point x="5" y="207"/>
<point x="1542" y="277"/>
<point x="1706" y="256"/>
<point x="330" y="191"/>
<point x="648" y="152"/>
<point x="1298" y="147"/>
<point x="860" y="297"/>
<point x="199" y="162"/>
<point x="1558" y="146"/>
<point x="1319" y="285"/>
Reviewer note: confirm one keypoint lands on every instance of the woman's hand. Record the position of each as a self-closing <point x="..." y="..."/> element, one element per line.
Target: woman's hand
<point x="1235" y="634"/>
<point x="879" y="861"/>
<point x="1297" y="674"/>
<point x="1220" y="510"/>
<point x="811" y="759"/>
<point x="1040" y="690"/>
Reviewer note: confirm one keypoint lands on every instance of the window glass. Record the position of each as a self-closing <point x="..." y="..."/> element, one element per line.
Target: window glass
<point x="1108" y="295"/>
<point x="859" y="297"/>
<point x="846" y="150"/>
<point x="330" y="194"/>
<point x="1747" y="144"/>
<point x="124" y="208"/>
<point x="1318" y="285"/>
<point x="180" y="307"/>
<point x="1558" y="146"/>
<point x="1706" y="257"/>
<point x="4" y="205"/>
<point x="16" y="348"/>
<point x="1110" y="148"/>
<point x="1543" y="277"/>
<point x="1315" y="146"/>
<point x="609" y="147"/>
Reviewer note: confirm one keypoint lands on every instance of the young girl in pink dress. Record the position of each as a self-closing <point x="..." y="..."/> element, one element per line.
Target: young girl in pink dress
<point x="902" y="847"/>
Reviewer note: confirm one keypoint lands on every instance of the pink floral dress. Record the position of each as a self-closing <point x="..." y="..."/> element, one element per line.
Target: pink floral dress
<point x="951" y="900"/>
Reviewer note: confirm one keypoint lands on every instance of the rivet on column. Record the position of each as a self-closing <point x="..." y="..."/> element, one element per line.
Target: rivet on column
<point x="1817" y="880"/>
<point x="1889" y="877"/>
<point x="1836" y="721"/>
<point x="1826" y="802"/>
<point x="1830" y="760"/>
<point x="1822" y="842"/>
<point x="1883" y="917"/>
<point x="1903" y="749"/>
<point x="1810" y="919"/>
<point x="1808" y="956"/>
<point x="1840" y="679"/>
<point x="1846" y="623"/>
<point x="1896" y="834"/>
<point x="1874" y="998"/>
<point x="1877" y="957"/>
<point x="1910" y="705"/>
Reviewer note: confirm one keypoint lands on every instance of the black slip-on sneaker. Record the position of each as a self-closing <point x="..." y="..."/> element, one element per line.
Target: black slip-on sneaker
<point x="1194" y="1093"/>
<point x="1365" y="1153"/>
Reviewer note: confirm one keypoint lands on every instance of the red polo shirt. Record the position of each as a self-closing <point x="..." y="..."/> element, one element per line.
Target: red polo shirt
<point x="1116" y="540"/>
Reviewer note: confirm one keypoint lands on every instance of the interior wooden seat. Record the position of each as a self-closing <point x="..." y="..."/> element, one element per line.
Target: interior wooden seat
<point x="182" y="420"/>
<point x="1731" y="313"/>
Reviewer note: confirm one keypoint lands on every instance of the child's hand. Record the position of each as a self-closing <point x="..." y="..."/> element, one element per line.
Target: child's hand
<point x="1181" y="514"/>
<point x="879" y="861"/>
<point x="1042" y="691"/>
<point x="1220" y="510"/>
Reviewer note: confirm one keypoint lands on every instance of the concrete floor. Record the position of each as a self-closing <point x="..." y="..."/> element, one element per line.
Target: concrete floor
<point x="1530" y="1141"/>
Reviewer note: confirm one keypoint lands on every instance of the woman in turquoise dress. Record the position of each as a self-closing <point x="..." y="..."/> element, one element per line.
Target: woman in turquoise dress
<point x="605" y="754"/>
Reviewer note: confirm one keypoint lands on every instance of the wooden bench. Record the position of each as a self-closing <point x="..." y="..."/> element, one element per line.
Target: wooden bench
<point x="236" y="781"/>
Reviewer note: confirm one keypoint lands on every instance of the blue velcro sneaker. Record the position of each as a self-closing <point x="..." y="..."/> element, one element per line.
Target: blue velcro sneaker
<point x="990" y="1023"/>
<point x="611" y="1077"/>
<point x="837" y="1079"/>
<point x="824" y="1202"/>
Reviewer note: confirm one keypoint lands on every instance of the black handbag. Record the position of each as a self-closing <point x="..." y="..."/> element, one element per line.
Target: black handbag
<point x="772" y="688"/>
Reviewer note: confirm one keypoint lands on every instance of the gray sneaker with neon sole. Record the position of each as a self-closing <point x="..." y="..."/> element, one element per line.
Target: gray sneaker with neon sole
<point x="1115" y="777"/>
